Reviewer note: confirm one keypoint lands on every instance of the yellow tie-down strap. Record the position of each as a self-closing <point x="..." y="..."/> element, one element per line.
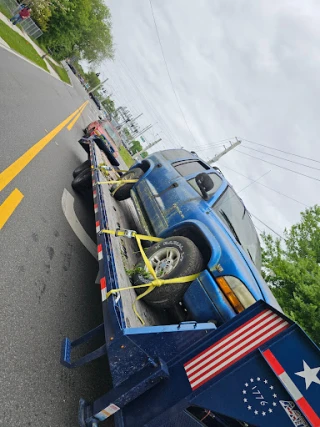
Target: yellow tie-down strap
<point x="120" y="183"/>
<point x="105" y="170"/>
<point x="154" y="283"/>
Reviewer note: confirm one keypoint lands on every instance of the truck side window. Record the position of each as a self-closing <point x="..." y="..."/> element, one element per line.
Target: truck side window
<point x="217" y="181"/>
<point x="190" y="167"/>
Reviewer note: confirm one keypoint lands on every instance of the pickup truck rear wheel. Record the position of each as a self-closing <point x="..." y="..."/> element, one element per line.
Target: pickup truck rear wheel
<point x="83" y="166"/>
<point x="82" y="181"/>
<point x="172" y="257"/>
<point x="123" y="192"/>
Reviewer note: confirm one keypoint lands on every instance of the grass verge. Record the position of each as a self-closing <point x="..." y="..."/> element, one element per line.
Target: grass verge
<point x="124" y="153"/>
<point x="21" y="45"/>
<point x="5" y="11"/>
<point x="60" y="71"/>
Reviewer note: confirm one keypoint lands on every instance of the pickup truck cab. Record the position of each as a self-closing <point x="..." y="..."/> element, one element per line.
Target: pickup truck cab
<point x="170" y="201"/>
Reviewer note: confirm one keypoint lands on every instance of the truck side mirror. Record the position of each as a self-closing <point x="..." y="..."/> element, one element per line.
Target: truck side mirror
<point x="205" y="184"/>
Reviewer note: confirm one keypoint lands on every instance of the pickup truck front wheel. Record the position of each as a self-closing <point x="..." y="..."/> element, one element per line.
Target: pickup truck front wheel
<point x="171" y="258"/>
<point x="123" y="192"/>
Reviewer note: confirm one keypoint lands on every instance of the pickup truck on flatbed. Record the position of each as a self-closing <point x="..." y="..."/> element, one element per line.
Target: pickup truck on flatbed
<point x="214" y="350"/>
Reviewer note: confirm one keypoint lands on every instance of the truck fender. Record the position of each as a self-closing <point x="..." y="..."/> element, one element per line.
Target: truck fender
<point x="193" y="229"/>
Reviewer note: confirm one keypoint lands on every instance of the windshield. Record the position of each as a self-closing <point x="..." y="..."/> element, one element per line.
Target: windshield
<point x="233" y="213"/>
<point x="112" y="133"/>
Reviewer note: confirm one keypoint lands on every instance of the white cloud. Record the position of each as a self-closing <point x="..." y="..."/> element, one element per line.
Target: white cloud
<point x="245" y="68"/>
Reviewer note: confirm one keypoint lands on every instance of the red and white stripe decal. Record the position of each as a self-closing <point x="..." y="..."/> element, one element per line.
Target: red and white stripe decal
<point x="95" y="208"/>
<point x="233" y="347"/>
<point x="100" y="255"/>
<point x="97" y="226"/>
<point x="103" y="285"/>
<point x="94" y="194"/>
<point x="93" y="182"/>
<point x="301" y="401"/>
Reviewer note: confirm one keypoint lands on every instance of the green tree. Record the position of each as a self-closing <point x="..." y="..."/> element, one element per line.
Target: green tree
<point x="92" y="79"/>
<point x="41" y="13"/>
<point x="96" y="43"/>
<point x="80" y="27"/>
<point x="144" y="154"/>
<point x="136" y="147"/>
<point x="127" y="133"/>
<point x="292" y="268"/>
<point x="109" y="105"/>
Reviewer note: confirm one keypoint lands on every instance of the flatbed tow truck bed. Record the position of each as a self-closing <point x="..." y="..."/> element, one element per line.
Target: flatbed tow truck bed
<point x="260" y="369"/>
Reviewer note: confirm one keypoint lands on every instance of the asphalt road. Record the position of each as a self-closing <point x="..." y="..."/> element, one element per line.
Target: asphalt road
<point x="47" y="276"/>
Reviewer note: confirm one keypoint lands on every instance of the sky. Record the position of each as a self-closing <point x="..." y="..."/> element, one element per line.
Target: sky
<point x="238" y="68"/>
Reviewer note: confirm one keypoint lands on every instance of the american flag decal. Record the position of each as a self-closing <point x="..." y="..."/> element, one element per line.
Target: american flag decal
<point x="233" y="347"/>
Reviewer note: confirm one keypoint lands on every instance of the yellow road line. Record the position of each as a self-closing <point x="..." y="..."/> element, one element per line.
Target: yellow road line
<point x="72" y="123"/>
<point x="16" y="167"/>
<point x="9" y="205"/>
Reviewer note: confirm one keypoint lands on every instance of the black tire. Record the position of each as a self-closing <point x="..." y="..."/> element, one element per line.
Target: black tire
<point x="123" y="192"/>
<point x="190" y="261"/>
<point x="82" y="182"/>
<point x="83" y="166"/>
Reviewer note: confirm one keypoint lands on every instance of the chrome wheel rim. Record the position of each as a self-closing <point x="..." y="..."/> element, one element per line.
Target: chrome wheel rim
<point x="164" y="261"/>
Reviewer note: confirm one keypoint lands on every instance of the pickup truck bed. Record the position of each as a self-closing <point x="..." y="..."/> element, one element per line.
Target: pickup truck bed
<point x="125" y="251"/>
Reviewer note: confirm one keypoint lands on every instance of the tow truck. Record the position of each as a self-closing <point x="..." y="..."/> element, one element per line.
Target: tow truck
<point x="170" y="365"/>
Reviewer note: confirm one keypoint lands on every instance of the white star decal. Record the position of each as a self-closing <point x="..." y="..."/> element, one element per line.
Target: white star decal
<point x="245" y="400"/>
<point x="274" y="404"/>
<point x="309" y="374"/>
<point x="251" y="380"/>
<point x="246" y="384"/>
<point x="274" y="395"/>
<point x="263" y="413"/>
<point x="244" y="392"/>
<point x="249" y="407"/>
<point x="271" y="387"/>
<point x="265" y="381"/>
<point x="256" y="412"/>
<point x="270" y="410"/>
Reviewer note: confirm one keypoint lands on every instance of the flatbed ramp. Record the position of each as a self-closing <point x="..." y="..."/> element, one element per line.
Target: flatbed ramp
<point x="260" y="369"/>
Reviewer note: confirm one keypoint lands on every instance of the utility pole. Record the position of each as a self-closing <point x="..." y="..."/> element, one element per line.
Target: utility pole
<point x="149" y="146"/>
<point x="143" y="131"/>
<point x="225" y="151"/>
<point x="97" y="87"/>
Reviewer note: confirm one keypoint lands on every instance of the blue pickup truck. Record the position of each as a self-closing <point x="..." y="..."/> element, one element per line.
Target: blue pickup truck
<point x="191" y="204"/>
<point x="216" y="352"/>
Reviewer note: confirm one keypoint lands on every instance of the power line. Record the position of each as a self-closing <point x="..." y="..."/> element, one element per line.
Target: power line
<point x="156" y="113"/>
<point x="277" y="157"/>
<point x="209" y="148"/>
<point x="263" y="185"/>
<point x="266" y="225"/>
<point x="282" y="151"/>
<point x="282" y="167"/>
<point x="213" y="144"/>
<point x="168" y="72"/>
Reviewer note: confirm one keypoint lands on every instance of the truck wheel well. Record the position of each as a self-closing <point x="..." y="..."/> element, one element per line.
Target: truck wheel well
<point x="144" y="165"/>
<point x="193" y="233"/>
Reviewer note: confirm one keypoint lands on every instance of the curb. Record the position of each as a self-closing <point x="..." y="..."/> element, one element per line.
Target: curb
<point x="5" y="46"/>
